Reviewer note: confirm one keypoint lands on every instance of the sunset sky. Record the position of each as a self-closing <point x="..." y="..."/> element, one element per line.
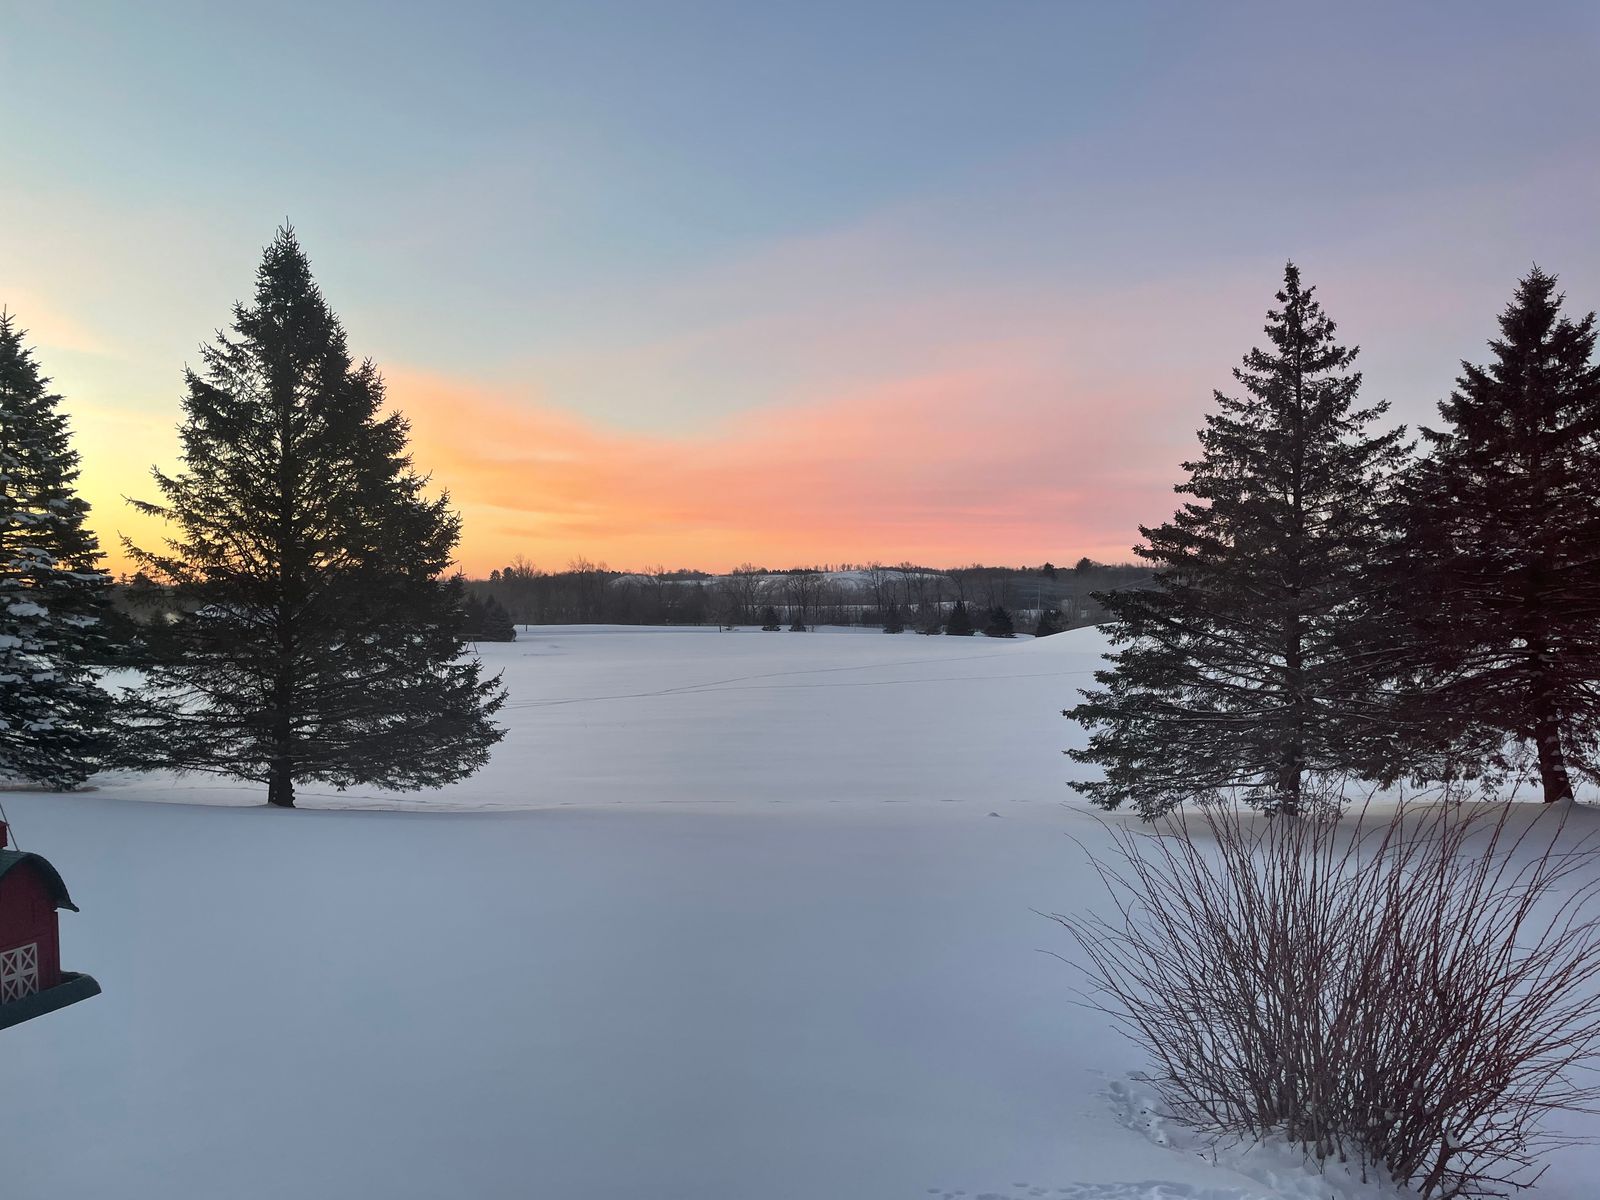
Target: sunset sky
<point x="695" y="283"/>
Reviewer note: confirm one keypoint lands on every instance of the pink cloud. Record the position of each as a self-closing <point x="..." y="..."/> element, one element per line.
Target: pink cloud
<point x="981" y="463"/>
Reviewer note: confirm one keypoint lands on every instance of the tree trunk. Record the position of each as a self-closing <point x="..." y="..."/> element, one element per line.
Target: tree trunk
<point x="1289" y="785"/>
<point x="1291" y="764"/>
<point x="1547" y="727"/>
<point x="1552" y="760"/>
<point x="280" y="785"/>
<point x="280" y="760"/>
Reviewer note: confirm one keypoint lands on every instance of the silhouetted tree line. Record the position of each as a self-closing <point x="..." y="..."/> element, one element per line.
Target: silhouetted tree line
<point x="845" y="594"/>
<point x="1039" y="600"/>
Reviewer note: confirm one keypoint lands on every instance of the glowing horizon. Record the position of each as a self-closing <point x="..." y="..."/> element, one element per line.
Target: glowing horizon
<point x="552" y="488"/>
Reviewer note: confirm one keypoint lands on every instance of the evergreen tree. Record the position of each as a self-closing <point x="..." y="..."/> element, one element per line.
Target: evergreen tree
<point x="53" y="594"/>
<point x="121" y="641"/>
<point x="319" y="638"/>
<point x="486" y="620"/>
<point x="498" y="625"/>
<point x="146" y="600"/>
<point x="930" y="620"/>
<point x="960" y="622"/>
<point x="1244" y="669"/>
<point x="798" y="625"/>
<point x="999" y="625"/>
<point x="893" y="622"/>
<point x="769" y="620"/>
<point x="1499" y="570"/>
<point x="1049" y="624"/>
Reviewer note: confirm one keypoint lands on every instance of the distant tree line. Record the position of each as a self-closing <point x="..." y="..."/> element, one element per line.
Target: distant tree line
<point x="871" y="594"/>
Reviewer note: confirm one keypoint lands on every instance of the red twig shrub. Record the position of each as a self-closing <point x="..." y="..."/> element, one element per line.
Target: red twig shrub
<point x="1417" y="991"/>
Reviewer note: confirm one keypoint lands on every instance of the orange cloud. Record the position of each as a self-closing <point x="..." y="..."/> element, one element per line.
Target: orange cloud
<point x="994" y="452"/>
<point x="981" y="463"/>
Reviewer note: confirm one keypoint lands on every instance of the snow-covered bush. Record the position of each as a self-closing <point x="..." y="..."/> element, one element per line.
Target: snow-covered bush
<point x="1415" y="989"/>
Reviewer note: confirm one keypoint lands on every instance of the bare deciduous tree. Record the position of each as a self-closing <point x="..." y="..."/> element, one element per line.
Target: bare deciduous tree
<point x="801" y="592"/>
<point x="744" y="584"/>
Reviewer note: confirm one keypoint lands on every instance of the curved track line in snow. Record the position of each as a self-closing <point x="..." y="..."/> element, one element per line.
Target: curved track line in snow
<point x="726" y="684"/>
<point x="714" y="683"/>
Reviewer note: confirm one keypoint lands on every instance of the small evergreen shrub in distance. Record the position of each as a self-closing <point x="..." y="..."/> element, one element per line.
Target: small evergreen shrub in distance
<point x="960" y="622"/>
<point x="487" y="620"/>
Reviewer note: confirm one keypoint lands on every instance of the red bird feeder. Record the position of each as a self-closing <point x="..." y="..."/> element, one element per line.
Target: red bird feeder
<point x="32" y="982"/>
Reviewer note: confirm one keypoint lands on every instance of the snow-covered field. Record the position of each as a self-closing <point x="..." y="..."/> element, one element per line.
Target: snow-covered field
<point x="731" y="916"/>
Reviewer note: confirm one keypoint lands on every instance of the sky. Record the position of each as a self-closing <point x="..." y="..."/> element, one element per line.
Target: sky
<point x="694" y="284"/>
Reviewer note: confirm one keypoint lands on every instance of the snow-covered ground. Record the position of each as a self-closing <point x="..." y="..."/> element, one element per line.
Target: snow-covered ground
<point x="733" y="916"/>
<point x="609" y="715"/>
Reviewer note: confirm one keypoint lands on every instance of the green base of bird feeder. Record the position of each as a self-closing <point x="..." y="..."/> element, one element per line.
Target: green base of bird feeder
<point x="72" y="988"/>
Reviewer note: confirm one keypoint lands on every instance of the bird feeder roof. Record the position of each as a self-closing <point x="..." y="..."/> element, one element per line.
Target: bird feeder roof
<point x="10" y="859"/>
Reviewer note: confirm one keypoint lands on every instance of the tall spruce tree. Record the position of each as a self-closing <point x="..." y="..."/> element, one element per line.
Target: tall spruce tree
<point x="53" y="594"/>
<point x="1244" y="670"/>
<point x="320" y="637"/>
<point x="1499" y="569"/>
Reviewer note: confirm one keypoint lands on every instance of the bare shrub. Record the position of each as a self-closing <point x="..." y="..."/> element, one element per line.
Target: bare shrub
<point x="1416" y="992"/>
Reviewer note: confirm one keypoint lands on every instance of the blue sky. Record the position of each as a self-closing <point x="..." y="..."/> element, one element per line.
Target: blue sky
<point x="677" y="234"/>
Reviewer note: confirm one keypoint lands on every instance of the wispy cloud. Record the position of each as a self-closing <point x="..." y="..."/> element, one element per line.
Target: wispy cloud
<point x="48" y="326"/>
